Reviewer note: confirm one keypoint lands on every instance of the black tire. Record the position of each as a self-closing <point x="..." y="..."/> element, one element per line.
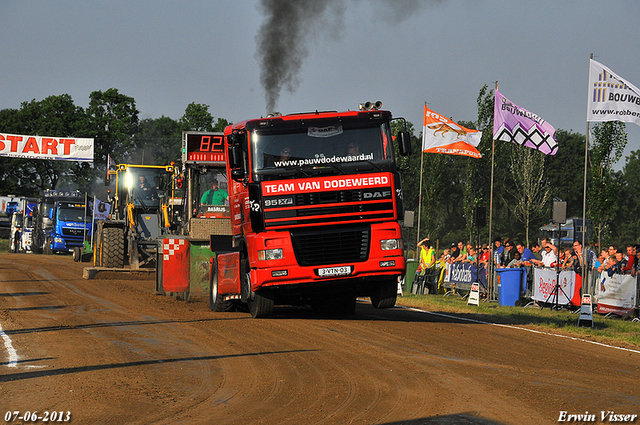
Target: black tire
<point x="384" y="294"/>
<point x="112" y="252"/>
<point x="77" y="254"/>
<point x="216" y="301"/>
<point x="261" y="303"/>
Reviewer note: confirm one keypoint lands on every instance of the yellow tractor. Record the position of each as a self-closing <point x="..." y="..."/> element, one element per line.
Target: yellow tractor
<point x="141" y="213"/>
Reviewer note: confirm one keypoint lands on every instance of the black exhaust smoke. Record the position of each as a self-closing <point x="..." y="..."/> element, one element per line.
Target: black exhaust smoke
<point x="282" y="37"/>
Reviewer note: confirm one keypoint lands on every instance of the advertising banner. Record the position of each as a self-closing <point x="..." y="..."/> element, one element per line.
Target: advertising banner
<point x="617" y="294"/>
<point x="42" y="147"/>
<point x="462" y="275"/>
<point x="512" y="123"/>
<point x="101" y="210"/>
<point x="544" y="283"/>
<point x="441" y="135"/>
<point x="611" y="98"/>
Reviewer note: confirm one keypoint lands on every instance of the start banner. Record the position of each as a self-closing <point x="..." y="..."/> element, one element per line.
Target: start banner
<point x="42" y="147"/>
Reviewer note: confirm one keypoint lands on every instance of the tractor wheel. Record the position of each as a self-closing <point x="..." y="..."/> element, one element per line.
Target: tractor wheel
<point x="112" y="252"/>
<point x="384" y="294"/>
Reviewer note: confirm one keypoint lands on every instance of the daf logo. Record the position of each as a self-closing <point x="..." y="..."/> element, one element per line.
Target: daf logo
<point x="377" y="194"/>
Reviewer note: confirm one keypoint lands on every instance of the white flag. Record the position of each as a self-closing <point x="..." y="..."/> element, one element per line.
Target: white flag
<point x="101" y="210"/>
<point x="611" y="98"/>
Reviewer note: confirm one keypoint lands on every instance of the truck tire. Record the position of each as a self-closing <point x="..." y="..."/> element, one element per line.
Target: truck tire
<point x="77" y="254"/>
<point x="112" y="252"/>
<point x="384" y="294"/>
<point x="216" y="301"/>
<point x="261" y="303"/>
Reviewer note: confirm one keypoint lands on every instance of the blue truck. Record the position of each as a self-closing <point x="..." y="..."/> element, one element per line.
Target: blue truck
<point x="63" y="222"/>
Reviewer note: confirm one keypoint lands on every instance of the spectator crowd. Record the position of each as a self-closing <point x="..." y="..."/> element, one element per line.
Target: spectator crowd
<point x="508" y="253"/>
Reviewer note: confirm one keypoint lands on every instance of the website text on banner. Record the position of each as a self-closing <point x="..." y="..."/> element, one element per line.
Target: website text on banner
<point x="441" y="135"/>
<point x="611" y="98"/>
<point x="544" y="284"/>
<point x="512" y="123"/>
<point x="42" y="147"/>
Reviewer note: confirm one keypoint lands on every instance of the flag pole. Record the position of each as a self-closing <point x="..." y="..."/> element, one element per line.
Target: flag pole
<point x="584" y="209"/>
<point x="491" y="260"/>
<point x="420" y="187"/>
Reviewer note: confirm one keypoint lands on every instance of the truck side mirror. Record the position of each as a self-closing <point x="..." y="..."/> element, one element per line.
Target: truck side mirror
<point x="236" y="162"/>
<point x="404" y="143"/>
<point x="51" y="213"/>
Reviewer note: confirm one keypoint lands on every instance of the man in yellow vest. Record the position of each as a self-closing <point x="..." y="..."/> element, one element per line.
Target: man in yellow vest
<point x="427" y="264"/>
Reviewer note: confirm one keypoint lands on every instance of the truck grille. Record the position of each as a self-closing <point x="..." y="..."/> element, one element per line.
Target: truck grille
<point x="70" y="231"/>
<point x="331" y="246"/>
<point x="325" y="207"/>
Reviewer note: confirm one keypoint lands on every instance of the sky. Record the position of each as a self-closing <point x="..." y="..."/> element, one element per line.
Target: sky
<point x="331" y="55"/>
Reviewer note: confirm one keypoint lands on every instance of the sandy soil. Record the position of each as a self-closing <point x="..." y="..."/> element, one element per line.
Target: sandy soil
<point x="111" y="352"/>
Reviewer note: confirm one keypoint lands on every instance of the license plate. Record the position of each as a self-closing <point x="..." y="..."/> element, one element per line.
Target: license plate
<point x="334" y="271"/>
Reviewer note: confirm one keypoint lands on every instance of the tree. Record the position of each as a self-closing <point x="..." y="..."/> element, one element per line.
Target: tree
<point x="609" y="141"/>
<point x="625" y="227"/>
<point x="55" y="116"/>
<point x="529" y="190"/>
<point x="198" y="118"/>
<point x="113" y="123"/>
<point x="565" y="171"/>
<point x="159" y="141"/>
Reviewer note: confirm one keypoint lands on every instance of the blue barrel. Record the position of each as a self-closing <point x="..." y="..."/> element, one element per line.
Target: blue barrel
<point x="509" y="285"/>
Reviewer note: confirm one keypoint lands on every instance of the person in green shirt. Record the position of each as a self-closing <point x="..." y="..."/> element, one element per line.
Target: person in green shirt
<point x="215" y="195"/>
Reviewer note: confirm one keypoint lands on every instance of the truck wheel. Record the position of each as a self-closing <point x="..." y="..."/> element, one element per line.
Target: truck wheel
<point x="384" y="294"/>
<point x="261" y="303"/>
<point x="112" y="252"/>
<point x="77" y="254"/>
<point x="216" y="301"/>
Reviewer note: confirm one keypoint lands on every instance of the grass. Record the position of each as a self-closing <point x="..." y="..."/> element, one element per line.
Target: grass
<point x="613" y="331"/>
<point x="4" y="245"/>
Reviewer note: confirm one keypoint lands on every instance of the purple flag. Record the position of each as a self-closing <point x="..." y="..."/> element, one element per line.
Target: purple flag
<point x="512" y="123"/>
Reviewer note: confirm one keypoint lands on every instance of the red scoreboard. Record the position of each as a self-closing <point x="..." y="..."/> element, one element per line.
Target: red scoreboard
<point x="203" y="147"/>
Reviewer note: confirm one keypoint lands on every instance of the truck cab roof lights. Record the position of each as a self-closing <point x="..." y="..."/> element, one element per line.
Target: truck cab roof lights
<point x="370" y="106"/>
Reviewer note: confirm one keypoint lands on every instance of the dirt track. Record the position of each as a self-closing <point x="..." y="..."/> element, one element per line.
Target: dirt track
<point x="109" y="351"/>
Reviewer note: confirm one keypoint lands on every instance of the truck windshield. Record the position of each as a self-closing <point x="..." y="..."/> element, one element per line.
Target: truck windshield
<point x="71" y="214"/>
<point x="329" y="148"/>
<point x="146" y="185"/>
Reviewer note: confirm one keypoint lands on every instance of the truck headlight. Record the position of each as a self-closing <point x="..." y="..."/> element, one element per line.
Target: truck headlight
<point x="58" y="240"/>
<point x="270" y="254"/>
<point x="387" y="244"/>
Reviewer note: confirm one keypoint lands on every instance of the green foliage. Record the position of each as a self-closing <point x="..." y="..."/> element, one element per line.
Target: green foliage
<point x="625" y="228"/>
<point x="609" y="142"/>
<point x="113" y="122"/>
<point x="565" y="171"/>
<point x="55" y="116"/>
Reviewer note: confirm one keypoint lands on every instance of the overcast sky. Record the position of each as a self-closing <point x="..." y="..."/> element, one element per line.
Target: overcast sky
<point x="167" y="54"/>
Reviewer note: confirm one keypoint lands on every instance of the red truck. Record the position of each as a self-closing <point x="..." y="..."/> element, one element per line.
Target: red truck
<point x="314" y="200"/>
